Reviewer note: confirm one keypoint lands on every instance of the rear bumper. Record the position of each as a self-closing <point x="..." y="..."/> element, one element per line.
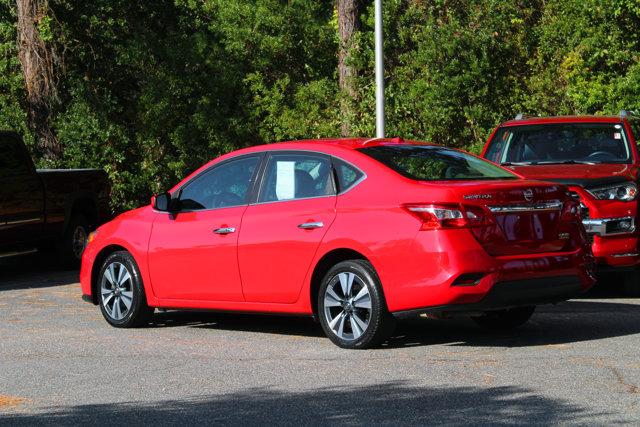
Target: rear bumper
<point x="452" y="269"/>
<point x="511" y="294"/>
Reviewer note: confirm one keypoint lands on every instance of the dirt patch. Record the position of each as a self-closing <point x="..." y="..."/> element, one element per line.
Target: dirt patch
<point x="11" y="401"/>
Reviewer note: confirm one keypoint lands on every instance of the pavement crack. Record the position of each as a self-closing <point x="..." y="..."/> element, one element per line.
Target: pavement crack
<point x="631" y="388"/>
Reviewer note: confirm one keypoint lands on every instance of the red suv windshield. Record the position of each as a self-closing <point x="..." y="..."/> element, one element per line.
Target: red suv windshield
<point x="560" y="143"/>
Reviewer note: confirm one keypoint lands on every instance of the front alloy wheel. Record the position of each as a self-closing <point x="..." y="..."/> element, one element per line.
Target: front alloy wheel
<point x="351" y="306"/>
<point x="116" y="289"/>
<point x="122" y="299"/>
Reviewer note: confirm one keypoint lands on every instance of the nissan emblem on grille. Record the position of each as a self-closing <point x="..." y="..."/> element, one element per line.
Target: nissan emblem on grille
<point x="528" y="195"/>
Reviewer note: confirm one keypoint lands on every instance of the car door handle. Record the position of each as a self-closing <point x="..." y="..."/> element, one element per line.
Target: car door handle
<point x="224" y="230"/>
<point x="311" y="225"/>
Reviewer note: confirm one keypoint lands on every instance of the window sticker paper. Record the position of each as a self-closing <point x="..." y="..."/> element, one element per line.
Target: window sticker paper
<point x="285" y="180"/>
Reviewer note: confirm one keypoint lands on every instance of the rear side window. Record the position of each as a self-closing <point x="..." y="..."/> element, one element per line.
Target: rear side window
<point x="347" y="175"/>
<point x="297" y="176"/>
<point x="13" y="159"/>
<point x="435" y="163"/>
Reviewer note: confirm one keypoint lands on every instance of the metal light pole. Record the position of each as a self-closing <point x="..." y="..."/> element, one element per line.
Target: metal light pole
<point x="380" y="121"/>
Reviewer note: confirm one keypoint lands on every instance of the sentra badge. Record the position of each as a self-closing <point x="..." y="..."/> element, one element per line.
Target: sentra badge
<point x="478" y="196"/>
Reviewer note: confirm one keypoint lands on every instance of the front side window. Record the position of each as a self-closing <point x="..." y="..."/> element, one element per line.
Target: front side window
<point x="222" y="186"/>
<point x="13" y="161"/>
<point x="560" y="143"/>
<point x="297" y="176"/>
<point x="435" y="163"/>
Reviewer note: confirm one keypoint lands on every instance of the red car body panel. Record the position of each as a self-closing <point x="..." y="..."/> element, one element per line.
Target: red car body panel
<point x="172" y="258"/>
<point x="275" y="263"/>
<point x="610" y="251"/>
<point x="273" y="249"/>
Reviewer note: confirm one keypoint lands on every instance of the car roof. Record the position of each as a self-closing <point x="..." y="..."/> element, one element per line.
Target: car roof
<point x="343" y="143"/>
<point x="562" y="119"/>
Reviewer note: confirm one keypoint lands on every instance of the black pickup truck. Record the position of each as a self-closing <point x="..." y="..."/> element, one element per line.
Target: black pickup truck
<point x="47" y="208"/>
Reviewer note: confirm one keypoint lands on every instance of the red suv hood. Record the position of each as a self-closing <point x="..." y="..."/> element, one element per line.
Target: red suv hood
<point x="551" y="172"/>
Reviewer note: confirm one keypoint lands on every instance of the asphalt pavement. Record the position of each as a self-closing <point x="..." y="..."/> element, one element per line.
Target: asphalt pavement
<point x="60" y="363"/>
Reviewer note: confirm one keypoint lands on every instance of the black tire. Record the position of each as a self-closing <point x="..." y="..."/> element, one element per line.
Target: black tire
<point x="631" y="284"/>
<point x="124" y="291"/>
<point x="502" y="320"/>
<point x="352" y="314"/>
<point x="74" y="240"/>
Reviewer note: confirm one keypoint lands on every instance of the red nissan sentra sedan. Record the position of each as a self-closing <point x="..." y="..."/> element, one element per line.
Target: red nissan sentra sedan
<point x="355" y="232"/>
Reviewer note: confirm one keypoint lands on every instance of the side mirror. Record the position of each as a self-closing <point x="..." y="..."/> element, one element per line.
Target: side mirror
<point x="161" y="202"/>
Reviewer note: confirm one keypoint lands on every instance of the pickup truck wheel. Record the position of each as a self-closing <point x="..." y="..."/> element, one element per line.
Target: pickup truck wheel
<point x="121" y="293"/>
<point x="351" y="306"/>
<point x="631" y="283"/>
<point x="75" y="240"/>
<point x="501" y="320"/>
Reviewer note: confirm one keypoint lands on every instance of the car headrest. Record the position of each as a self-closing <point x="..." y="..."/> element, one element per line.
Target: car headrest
<point x="305" y="185"/>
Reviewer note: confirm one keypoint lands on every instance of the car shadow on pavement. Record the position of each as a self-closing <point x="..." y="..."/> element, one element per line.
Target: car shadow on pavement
<point x="569" y="322"/>
<point x="387" y="404"/>
<point x="283" y="325"/>
<point x="34" y="271"/>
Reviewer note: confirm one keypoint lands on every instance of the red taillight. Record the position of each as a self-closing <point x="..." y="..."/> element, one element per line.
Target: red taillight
<point x="475" y="215"/>
<point x="434" y="217"/>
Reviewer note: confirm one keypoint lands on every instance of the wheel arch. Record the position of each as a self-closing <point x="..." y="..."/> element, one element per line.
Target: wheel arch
<point x="321" y="268"/>
<point x="84" y="204"/>
<point x="97" y="265"/>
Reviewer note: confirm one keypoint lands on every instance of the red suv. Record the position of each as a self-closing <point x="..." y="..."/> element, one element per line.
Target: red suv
<point x="597" y="157"/>
<point x="351" y="231"/>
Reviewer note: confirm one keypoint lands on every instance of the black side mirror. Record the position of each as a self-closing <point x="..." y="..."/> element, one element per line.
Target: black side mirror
<point x="162" y="202"/>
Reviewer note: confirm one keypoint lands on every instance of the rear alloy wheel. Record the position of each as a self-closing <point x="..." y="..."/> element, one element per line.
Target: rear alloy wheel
<point x="75" y="240"/>
<point x="501" y="320"/>
<point x="351" y="306"/>
<point x="122" y="299"/>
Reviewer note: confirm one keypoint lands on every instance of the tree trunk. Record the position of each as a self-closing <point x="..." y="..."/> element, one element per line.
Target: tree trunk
<point x="348" y="24"/>
<point x="38" y="62"/>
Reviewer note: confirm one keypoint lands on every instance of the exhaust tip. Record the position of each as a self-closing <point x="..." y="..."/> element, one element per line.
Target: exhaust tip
<point x="468" y="279"/>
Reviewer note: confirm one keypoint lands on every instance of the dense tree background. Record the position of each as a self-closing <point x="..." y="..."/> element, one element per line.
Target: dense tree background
<point x="150" y="90"/>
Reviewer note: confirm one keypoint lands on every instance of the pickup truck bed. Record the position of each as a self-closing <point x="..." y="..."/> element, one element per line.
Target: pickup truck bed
<point x="47" y="208"/>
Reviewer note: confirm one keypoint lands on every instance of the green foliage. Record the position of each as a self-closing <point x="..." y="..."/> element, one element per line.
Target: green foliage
<point x="588" y="58"/>
<point x="151" y="90"/>
<point x="12" y="113"/>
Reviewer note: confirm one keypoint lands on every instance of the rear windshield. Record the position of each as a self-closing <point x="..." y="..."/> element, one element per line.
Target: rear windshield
<point x="560" y="143"/>
<point x="434" y="163"/>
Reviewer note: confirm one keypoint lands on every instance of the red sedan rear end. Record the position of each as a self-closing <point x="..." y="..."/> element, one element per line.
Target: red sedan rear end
<point x="355" y="232"/>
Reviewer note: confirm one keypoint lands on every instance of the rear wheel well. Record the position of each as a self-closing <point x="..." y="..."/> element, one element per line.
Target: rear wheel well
<point x="324" y="265"/>
<point x="97" y="265"/>
<point x="86" y="207"/>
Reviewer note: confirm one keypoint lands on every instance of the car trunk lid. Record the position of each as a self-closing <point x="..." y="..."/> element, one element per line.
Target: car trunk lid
<point x="520" y="217"/>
